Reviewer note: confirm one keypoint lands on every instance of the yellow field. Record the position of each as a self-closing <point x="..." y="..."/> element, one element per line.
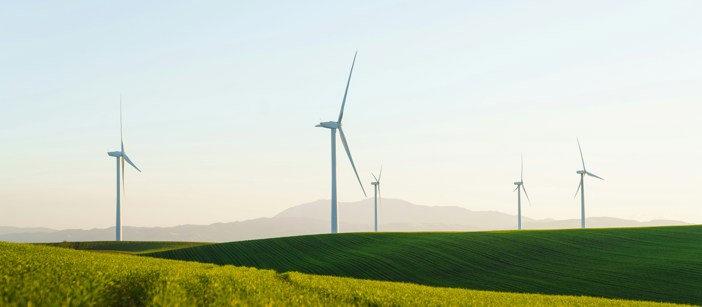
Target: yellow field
<point x="42" y="275"/>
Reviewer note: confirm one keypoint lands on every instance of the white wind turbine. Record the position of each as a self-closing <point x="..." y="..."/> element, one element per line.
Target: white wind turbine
<point x="121" y="158"/>
<point x="333" y="126"/>
<point x="377" y="196"/>
<point x="518" y="189"/>
<point x="581" y="186"/>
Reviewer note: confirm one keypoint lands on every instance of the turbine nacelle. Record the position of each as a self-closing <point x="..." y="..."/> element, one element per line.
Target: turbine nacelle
<point x="580" y="172"/>
<point x="375" y="183"/>
<point x="329" y="125"/>
<point x="517" y="183"/>
<point x="116" y="154"/>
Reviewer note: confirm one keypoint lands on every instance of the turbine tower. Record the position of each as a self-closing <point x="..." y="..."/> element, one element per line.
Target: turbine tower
<point x="581" y="186"/>
<point x="333" y="126"/>
<point x="518" y="189"/>
<point x="121" y="156"/>
<point x="377" y="196"/>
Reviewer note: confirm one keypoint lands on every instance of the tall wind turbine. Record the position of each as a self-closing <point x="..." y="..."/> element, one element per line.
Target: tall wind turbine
<point x="377" y="196"/>
<point x="518" y="189"/>
<point x="333" y="126"/>
<point x="121" y="156"/>
<point x="581" y="186"/>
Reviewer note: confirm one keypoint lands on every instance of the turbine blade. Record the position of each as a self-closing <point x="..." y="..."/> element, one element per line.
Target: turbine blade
<point x="581" y="154"/>
<point x="515" y="189"/>
<point x="525" y="193"/>
<point x="521" y="177"/>
<point x="126" y="158"/>
<point x="346" y="92"/>
<point x="579" y="185"/>
<point x="381" y="173"/>
<point x="121" y="138"/>
<point x="122" y="162"/>
<point x="376" y="178"/>
<point x="380" y="196"/>
<point x="348" y="152"/>
<point x="593" y="175"/>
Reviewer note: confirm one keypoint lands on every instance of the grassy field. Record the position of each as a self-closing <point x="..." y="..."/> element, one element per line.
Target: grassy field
<point x="33" y="275"/>
<point x="653" y="264"/>
<point x="132" y="247"/>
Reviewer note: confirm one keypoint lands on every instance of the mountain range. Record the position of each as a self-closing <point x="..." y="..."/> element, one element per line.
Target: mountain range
<point x="313" y="218"/>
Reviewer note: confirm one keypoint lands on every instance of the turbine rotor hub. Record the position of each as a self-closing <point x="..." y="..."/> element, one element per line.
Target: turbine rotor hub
<point x="329" y="125"/>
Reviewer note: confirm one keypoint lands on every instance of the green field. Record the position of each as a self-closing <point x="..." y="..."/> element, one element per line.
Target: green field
<point x="33" y="275"/>
<point x="132" y="247"/>
<point x="653" y="264"/>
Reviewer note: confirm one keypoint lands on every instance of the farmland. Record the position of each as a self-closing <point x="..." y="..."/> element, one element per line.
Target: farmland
<point x="654" y="264"/>
<point x="45" y="275"/>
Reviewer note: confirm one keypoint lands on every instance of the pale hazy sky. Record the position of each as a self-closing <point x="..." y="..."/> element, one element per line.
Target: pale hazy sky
<point x="221" y="99"/>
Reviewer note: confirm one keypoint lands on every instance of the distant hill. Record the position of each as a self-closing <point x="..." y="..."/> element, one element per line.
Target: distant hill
<point x="10" y="230"/>
<point x="313" y="218"/>
<point x="655" y="263"/>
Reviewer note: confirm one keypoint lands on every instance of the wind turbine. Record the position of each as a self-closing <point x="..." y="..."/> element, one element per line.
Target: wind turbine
<point x="581" y="186"/>
<point x="518" y="189"/>
<point x="377" y="196"/>
<point x="121" y="156"/>
<point x="333" y="126"/>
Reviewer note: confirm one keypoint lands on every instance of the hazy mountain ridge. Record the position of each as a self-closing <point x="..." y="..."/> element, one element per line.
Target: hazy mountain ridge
<point x="10" y="230"/>
<point x="313" y="218"/>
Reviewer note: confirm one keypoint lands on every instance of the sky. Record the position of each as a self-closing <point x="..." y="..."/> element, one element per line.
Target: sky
<point x="220" y="100"/>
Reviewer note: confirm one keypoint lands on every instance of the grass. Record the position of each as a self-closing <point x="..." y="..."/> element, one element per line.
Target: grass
<point x="653" y="264"/>
<point x="131" y="247"/>
<point x="50" y="276"/>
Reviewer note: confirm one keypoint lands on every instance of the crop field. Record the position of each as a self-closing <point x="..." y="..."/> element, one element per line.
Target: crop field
<point x="133" y="247"/>
<point x="32" y="275"/>
<point x="652" y="264"/>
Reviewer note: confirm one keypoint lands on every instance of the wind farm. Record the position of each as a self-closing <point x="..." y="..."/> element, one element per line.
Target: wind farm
<point x="242" y="202"/>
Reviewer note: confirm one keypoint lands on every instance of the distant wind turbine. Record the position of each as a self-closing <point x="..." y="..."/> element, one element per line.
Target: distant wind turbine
<point x="518" y="189"/>
<point x="121" y="158"/>
<point x="333" y="126"/>
<point x="581" y="186"/>
<point x="377" y="196"/>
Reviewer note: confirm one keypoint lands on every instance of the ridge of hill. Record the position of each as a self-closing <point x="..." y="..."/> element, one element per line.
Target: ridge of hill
<point x="130" y="247"/>
<point x="656" y="263"/>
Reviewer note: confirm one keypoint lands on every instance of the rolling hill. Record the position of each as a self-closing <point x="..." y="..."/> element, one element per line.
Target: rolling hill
<point x="655" y="264"/>
<point x="36" y="275"/>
